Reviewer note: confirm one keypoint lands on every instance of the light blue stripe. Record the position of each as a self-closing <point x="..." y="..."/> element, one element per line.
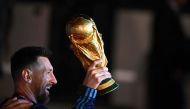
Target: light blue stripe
<point x="79" y="99"/>
<point x="83" y="99"/>
<point x="95" y="93"/>
<point x="78" y="106"/>
<point x="91" y="93"/>
<point x="87" y="91"/>
<point x="82" y="105"/>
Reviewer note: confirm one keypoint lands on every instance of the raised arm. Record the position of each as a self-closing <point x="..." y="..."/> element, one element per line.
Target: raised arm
<point x="88" y="92"/>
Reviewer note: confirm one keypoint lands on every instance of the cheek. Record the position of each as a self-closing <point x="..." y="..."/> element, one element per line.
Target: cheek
<point x="39" y="81"/>
<point x="45" y="80"/>
<point x="36" y="80"/>
<point x="42" y="86"/>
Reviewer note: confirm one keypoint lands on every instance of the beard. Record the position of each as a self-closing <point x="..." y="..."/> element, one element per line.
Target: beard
<point x="43" y="97"/>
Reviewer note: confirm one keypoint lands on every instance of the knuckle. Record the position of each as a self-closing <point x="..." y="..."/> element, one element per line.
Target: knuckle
<point x="95" y="76"/>
<point x="93" y="72"/>
<point x="105" y="68"/>
<point x="98" y="80"/>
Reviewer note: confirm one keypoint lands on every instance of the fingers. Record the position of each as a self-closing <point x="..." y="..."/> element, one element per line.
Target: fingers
<point x="94" y="64"/>
<point x="100" y="75"/>
<point x="22" y="106"/>
<point x="15" y="103"/>
<point x="96" y="70"/>
<point x="103" y="75"/>
<point x="11" y="100"/>
<point x="95" y="75"/>
<point x="21" y="103"/>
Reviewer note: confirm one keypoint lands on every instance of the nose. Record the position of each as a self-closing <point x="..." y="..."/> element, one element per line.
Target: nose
<point x="53" y="80"/>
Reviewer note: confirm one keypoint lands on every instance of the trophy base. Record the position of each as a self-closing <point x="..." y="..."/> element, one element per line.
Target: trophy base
<point x="108" y="85"/>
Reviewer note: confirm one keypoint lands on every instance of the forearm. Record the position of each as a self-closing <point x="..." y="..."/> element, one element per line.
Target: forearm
<point x="86" y="98"/>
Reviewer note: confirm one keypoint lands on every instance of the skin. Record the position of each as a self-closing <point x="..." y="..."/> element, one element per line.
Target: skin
<point x="95" y="75"/>
<point x="14" y="103"/>
<point x="33" y="83"/>
<point x="44" y="79"/>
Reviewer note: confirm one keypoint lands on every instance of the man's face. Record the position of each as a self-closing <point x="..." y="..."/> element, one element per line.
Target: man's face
<point x="43" y="79"/>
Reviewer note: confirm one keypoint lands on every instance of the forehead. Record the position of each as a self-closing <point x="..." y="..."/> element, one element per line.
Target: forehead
<point x="44" y="62"/>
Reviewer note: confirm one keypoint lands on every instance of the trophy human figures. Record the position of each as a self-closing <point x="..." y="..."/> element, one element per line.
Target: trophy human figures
<point x="88" y="46"/>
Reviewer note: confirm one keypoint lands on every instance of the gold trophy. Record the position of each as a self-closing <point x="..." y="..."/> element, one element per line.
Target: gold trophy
<point x="87" y="45"/>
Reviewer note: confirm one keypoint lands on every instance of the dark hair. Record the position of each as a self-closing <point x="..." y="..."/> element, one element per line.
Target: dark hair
<point x="26" y="56"/>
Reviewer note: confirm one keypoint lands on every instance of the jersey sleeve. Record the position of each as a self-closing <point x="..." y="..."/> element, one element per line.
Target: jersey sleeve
<point x="86" y="98"/>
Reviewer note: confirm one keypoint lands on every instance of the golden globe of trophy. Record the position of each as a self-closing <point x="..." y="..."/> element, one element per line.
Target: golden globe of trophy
<point x="87" y="45"/>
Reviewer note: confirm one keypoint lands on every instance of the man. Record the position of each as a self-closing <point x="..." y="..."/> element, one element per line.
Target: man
<point x="33" y="77"/>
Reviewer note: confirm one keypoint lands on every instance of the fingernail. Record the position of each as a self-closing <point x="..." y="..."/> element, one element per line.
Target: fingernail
<point x="105" y="68"/>
<point x="15" y="98"/>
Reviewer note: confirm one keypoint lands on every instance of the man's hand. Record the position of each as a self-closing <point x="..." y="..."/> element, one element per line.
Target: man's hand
<point x="95" y="75"/>
<point x="14" y="103"/>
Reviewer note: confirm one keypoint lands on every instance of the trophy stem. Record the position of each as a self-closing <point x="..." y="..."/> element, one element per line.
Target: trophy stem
<point x="107" y="85"/>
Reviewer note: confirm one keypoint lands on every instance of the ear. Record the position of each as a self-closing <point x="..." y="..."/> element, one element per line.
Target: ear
<point x="27" y="75"/>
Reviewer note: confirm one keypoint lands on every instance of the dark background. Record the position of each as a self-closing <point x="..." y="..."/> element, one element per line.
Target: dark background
<point x="169" y="53"/>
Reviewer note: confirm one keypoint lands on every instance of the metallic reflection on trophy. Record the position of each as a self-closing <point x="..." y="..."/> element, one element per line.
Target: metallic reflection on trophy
<point x="87" y="45"/>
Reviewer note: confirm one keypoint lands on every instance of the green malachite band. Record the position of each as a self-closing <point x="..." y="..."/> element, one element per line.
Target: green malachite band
<point x="109" y="86"/>
<point x="106" y="80"/>
<point x="109" y="89"/>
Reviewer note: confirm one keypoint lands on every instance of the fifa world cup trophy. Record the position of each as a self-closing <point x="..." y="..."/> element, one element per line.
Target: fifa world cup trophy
<point x="88" y="46"/>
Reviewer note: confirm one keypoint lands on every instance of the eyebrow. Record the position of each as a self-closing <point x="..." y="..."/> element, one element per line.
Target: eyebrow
<point x="51" y="69"/>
